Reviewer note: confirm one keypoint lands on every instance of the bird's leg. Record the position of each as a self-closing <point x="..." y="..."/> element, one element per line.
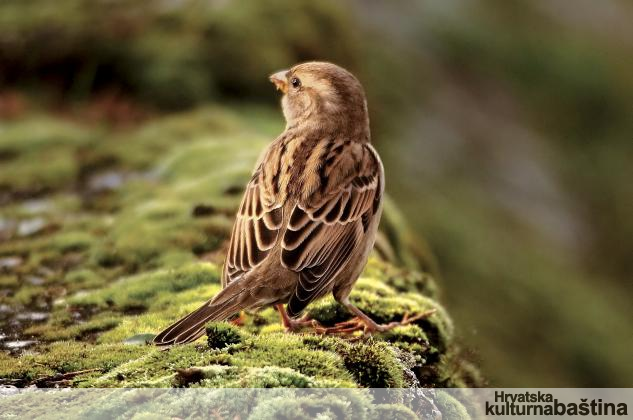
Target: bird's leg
<point x="295" y="324"/>
<point x="239" y="320"/>
<point x="364" y="323"/>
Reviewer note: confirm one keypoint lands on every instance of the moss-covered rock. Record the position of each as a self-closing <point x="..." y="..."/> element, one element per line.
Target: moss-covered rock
<point x="89" y="273"/>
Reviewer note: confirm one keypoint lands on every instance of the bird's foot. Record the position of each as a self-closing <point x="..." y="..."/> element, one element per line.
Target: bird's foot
<point x="294" y="325"/>
<point x="368" y="326"/>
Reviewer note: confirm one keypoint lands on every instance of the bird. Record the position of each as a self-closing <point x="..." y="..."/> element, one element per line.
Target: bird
<point x="310" y="212"/>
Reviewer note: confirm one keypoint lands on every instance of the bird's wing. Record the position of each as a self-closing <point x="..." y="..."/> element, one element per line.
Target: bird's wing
<point x="255" y="231"/>
<point x="326" y="228"/>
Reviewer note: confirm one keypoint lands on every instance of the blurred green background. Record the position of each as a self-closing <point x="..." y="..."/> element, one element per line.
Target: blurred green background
<point x="506" y="128"/>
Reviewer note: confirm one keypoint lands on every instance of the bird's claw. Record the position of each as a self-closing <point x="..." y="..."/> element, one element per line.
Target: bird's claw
<point x="292" y="325"/>
<point x="367" y="326"/>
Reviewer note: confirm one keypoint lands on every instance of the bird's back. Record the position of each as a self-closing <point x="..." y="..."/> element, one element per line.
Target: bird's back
<point x="322" y="190"/>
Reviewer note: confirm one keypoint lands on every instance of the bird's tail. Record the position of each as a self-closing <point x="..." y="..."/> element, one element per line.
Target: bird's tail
<point x="226" y="303"/>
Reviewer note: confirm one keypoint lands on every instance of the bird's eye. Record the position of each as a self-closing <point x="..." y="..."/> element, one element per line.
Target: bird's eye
<point x="295" y="82"/>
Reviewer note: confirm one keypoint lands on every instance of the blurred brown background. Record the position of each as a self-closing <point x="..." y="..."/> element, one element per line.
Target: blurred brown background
<point x="506" y="129"/>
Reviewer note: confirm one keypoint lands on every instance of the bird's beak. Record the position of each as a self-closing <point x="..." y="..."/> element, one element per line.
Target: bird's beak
<point x="279" y="79"/>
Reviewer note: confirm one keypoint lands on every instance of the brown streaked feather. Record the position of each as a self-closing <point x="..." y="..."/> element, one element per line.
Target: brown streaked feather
<point x="323" y="227"/>
<point x="191" y="327"/>
<point x="323" y="231"/>
<point x="255" y="231"/>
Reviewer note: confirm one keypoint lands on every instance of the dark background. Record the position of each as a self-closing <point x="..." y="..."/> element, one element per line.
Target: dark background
<point x="506" y="128"/>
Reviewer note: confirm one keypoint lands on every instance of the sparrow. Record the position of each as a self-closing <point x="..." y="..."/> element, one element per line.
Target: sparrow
<point x="310" y="212"/>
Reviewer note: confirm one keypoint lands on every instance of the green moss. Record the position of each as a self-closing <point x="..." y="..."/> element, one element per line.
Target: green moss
<point x="65" y="329"/>
<point x="322" y="342"/>
<point x="9" y="281"/>
<point x="289" y="351"/>
<point x="31" y="139"/>
<point x="158" y="368"/>
<point x="143" y="236"/>
<point x="147" y="415"/>
<point x="138" y="292"/>
<point x="64" y="357"/>
<point x="341" y="404"/>
<point x="409" y="337"/>
<point x="373" y="364"/>
<point x="450" y="407"/>
<point x="84" y="279"/>
<point x="222" y="334"/>
<point x="393" y="411"/>
<point x="72" y="241"/>
<point x="384" y="304"/>
<point x="266" y="377"/>
<point x="327" y="311"/>
<point x="402" y="279"/>
<point x="28" y="295"/>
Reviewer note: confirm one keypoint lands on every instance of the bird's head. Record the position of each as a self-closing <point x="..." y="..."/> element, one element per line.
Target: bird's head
<point x="322" y="95"/>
